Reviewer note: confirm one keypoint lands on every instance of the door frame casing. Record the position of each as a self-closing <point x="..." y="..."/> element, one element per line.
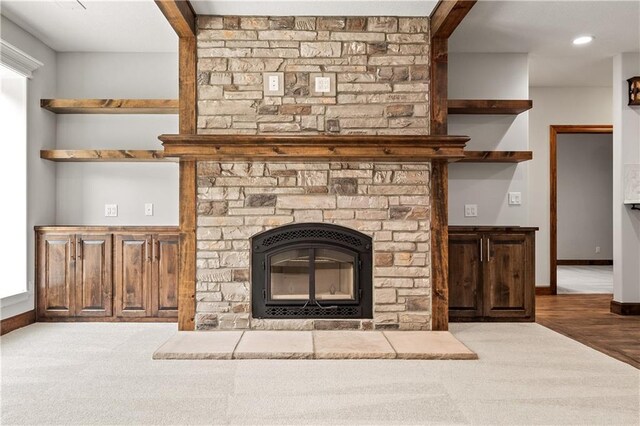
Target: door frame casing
<point x="554" y="131"/>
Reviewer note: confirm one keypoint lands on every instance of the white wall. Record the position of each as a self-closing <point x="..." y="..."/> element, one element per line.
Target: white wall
<point x="626" y="150"/>
<point x="84" y="188"/>
<point x="585" y="201"/>
<point x="489" y="76"/>
<point x="556" y="105"/>
<point x="41" y="129"/>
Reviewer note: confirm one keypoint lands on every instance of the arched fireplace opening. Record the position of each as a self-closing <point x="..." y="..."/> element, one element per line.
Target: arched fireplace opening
<point x="311" y="270"/>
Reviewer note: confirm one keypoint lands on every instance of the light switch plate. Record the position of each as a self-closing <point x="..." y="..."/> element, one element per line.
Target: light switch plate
<point x="470" y="210"/>
<point x="148" y="209"/>
<point x="322" y="84"/>
<point x="273" y="83"/>
<point x="111" y="210"/>
<point x="515" y="198"/>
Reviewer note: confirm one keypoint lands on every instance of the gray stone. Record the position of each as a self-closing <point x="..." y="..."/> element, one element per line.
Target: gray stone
<point x="206" y="321"/>
<point x="333" y="126"/>
<point x="212" y="208"/>
<point x="282" y="23"/>
<point x="343" y="186"/>
<point x="261" y="200"/>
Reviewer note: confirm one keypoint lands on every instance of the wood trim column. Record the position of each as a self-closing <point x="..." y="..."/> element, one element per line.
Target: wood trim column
<point x="182" y="18"/>
<point x="188" y="187"/>
<point x="439" y="245"/>
<point x="444" y="19"/>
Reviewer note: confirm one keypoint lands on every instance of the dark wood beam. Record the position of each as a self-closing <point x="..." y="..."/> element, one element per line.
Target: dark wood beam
<point x="188" y="99"/>
<point x="438" y="90"/>
<point x="447" y="15"/>
<point x="439" y="246"/>
<point x="180" y="15"/>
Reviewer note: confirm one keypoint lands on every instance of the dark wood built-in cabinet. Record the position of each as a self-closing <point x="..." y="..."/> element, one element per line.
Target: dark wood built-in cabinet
<point x="110" y="274"/>
<point x="491" y="273"/>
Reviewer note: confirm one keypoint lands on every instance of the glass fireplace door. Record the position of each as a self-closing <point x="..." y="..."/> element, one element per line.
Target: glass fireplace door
<point x="334" y="275"/>
<point x="290" y="275"/>
<point x="312" y="274"/>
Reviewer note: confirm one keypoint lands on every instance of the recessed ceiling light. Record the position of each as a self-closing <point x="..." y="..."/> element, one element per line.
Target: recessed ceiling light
<point x="583" y="40"/>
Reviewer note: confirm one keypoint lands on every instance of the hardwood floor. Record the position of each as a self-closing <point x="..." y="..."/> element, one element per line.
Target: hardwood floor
<point x="587" y="319"/>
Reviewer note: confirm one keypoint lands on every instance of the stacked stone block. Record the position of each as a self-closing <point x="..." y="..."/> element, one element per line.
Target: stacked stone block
<point x="388" y="201"/>
<point x="381" y="66"/>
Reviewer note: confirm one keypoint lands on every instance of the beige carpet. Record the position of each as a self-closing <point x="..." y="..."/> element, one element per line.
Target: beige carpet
<point x="102" y="373"/>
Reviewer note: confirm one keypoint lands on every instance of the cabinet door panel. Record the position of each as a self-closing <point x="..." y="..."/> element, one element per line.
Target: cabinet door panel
<point x="55" y="275"/>
<point x="133" y="255"/>
<point x="93" y="284"/>
<point x="165" y="275"/>
<point x="465" y="276"/>
<point x="506" y="283"/>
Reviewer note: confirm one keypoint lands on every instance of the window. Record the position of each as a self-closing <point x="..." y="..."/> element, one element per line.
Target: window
<point x="13" y="181"/>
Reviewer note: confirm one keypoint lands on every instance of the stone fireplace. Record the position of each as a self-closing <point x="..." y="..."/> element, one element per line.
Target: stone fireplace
<point x="387" y="203"/>
<point x="358" y="159"/>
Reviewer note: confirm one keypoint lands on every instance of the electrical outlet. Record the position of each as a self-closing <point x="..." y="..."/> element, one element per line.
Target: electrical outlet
<point x="148" y="209"/>
<point x="111" y="210"/>
<point x="323" y="84"/>
<point x="273" y="83"/>
<point x="515" y="198"/>
<point x="470" y="210"/>
<point x="597" y="249"/>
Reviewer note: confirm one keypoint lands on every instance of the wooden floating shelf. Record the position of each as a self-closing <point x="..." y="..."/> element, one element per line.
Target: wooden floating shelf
<point x="488" y="106"/>
<point x="496" y="156"/>
<point x="104" y="155"/>
<point x="315" y="148"/>
<point x="110" y="106"/>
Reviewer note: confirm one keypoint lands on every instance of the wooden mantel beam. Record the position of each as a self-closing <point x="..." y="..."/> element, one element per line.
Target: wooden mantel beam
<point x="447" y="15"/>
<point x="180" y="15"/>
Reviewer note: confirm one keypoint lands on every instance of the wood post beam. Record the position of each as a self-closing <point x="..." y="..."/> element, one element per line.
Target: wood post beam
<point x="180" y="15"/>
<point x="182" y="18"/>
<point x="444" y="19"/>
<point x="447" y="15"/>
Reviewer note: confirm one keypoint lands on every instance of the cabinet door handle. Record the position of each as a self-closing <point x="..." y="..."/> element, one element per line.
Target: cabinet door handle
<point x="72" y="249"/>
<point x="157" y="248"/>
<point x="488" y="249"/>
<point x="79" y="249"/>
<point x="481" y="254"/>
<point x="146" y="248"/>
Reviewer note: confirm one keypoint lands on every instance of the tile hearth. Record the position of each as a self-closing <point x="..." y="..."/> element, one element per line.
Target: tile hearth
<point x="334" y="344"/>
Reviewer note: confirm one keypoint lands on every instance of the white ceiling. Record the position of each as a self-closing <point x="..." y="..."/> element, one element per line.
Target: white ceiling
<point x="545" y="30"/>
<point x="104" y="26"/>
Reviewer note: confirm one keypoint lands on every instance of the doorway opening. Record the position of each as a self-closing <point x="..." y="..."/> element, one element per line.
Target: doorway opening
<point x="580" y="209"/>
<point x="581" y="234"/>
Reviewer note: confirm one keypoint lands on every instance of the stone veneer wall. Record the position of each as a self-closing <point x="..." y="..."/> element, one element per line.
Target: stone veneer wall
<point x="381" y="66"/>
<point x="388" y="201"/>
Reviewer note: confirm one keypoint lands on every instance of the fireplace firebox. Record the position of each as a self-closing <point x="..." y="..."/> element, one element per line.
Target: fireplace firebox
<point x="311" y="270"/>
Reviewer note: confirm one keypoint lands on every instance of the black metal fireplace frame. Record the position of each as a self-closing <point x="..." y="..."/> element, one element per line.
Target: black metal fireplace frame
<point x="311" y="236"/>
